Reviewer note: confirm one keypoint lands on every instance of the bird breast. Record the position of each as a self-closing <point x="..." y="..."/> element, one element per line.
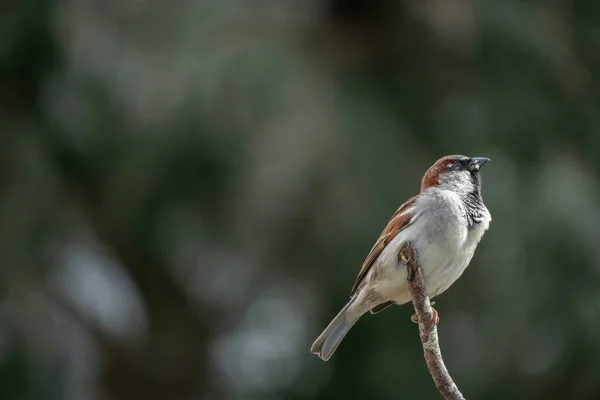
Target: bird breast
<point x="444" y="243"/>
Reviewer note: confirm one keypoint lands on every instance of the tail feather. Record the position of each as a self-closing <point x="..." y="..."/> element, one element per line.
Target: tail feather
<point x="330" y="339"/>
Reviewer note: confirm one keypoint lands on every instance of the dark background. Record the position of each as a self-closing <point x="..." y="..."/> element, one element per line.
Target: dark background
<point x="188" y="190"/>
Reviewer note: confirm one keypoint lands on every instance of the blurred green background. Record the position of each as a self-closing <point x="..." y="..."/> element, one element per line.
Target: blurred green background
<point x="189" y="188"/>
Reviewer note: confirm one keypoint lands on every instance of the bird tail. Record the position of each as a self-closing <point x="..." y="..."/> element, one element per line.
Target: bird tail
<point x="330" y="339"/>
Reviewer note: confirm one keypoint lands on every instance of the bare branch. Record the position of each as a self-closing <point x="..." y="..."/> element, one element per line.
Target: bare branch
<point x="427" y="326"/>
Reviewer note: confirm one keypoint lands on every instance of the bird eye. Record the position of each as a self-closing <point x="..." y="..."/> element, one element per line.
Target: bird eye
<point x="455" y="165"/>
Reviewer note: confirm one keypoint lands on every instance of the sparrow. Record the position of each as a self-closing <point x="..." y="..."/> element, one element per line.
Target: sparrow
<point x="444" y="223"/>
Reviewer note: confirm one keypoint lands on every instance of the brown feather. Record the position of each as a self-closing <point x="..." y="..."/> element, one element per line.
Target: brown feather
<point x="432" y="176"/>
<point x="397" y="223"/>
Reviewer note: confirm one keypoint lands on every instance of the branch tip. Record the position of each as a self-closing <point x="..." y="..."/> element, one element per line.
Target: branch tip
<point x="427" y="327"/>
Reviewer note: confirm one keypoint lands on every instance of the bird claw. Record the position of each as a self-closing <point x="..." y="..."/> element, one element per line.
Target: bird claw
<point x="436" y="319"/>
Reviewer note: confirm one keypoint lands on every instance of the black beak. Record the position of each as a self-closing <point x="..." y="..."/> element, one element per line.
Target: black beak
<point x="475" y="163"/>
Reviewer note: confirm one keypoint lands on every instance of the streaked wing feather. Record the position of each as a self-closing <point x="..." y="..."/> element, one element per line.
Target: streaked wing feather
<point x="399" y="221"/>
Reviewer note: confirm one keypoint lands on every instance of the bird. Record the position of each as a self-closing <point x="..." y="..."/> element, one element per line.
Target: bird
<point x="444" y="224"/>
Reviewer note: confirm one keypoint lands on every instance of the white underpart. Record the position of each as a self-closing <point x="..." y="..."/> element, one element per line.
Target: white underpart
<point x="443" y="243"/>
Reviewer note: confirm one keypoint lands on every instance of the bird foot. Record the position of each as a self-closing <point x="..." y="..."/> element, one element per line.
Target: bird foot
<point x="436" y="319"/>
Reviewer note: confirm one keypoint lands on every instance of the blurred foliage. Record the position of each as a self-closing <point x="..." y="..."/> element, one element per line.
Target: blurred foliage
<point x="187" y="191"/>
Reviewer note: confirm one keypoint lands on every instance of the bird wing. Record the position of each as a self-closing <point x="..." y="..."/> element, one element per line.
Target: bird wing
<point x="401" y="219"/>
